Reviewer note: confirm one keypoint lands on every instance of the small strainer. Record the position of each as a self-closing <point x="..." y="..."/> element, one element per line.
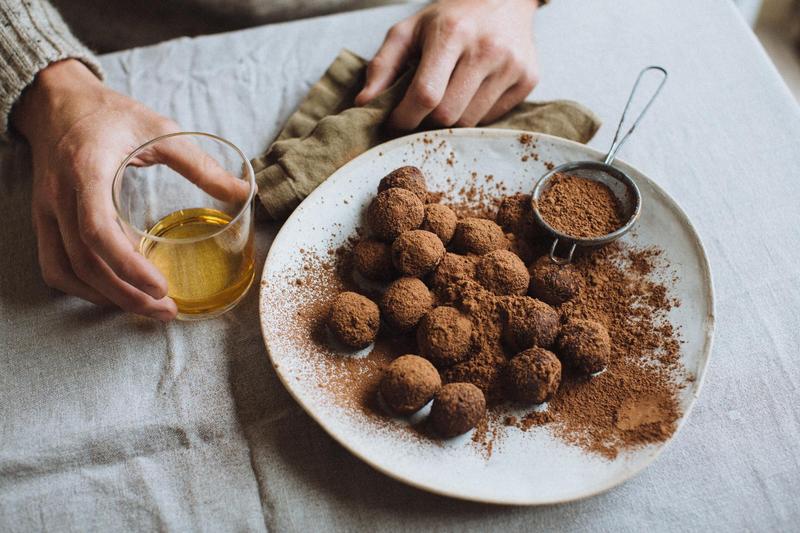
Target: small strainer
<point x="620" y="184"/>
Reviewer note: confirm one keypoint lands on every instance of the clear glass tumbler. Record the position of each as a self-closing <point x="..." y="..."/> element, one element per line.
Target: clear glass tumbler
<point x="186" y="201"/>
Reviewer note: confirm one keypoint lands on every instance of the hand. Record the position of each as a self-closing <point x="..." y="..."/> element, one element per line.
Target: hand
<point x="476" y="61"/>
<point x="79" y="132"/>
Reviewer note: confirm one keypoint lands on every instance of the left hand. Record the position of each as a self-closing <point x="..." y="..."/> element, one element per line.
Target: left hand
<point x="477" y="60"/>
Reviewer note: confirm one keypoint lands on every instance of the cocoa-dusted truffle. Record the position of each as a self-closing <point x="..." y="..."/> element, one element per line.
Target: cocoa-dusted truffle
<point x="417" y="252"/>
<point x="533" y="375"/>
<point x="354" y="319"/>
<point x="453" y="267"/>
<point x="394" y="211"/>
<point x="444" y="336"/>
<point x="554" y="284"/>
<point x="408" y="383"/>
<point x="478" y="236"/>
<point x="441" y="220"/>
<point x="457" y="408"/>
<point x="528" y="322"/>
<point x="521" y="247"/>
<point x="405" y="302"/>
<point x="408" y="178"/>
<point x="585" y="345"/>
<point x="373" y="260"/>
<point x="516" y="215"/>
<point x="502" y="273"/>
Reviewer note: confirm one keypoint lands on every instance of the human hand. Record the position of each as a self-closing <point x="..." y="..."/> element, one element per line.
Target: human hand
<point x="80" y="131"/>
<point x="477" y="60"/>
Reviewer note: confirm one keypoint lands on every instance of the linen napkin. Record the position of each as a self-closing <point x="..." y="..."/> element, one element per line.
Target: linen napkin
<point x="327" y="131"/>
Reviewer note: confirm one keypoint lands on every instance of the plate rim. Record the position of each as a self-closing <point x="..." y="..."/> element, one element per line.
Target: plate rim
<point x="708" y="340"/>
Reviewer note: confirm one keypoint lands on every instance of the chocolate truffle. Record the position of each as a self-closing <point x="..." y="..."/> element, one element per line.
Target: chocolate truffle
<point x="408" y="178"/>
<point x="354" y="319"/>
<point x="534" y="375"/>
<point x="441" y="220"/>
<point x="585" y="345"/>
<point x="457" y="408"/>
<point x="373" y="260"/>
<point x="528" y="322"/>
<point x="405" y="302"/>
<point x="478" y="236"/>
<point x="417" y="252"/>
<point x="521" y="247"/>
<point x="409" y="383"/>
<point x="515" y="215"/>
<point x="444" y="336"/>
<point x="394" y="211"/>
<point x="453" y="267"/>
<point x="554" y="284"/>
<point x="502" y="273"/>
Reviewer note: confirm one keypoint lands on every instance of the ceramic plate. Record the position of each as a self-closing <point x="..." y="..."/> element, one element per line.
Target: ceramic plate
<point x="529" y="468"/>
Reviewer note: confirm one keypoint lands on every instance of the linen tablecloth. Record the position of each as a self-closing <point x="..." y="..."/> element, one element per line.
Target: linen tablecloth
<point x="111" y="422"/>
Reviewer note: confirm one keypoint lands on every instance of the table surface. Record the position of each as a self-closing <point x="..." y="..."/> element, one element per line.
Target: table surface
<point x="108" y="421"/>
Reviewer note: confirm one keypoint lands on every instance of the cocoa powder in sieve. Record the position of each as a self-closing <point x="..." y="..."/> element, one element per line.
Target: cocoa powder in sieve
<point x="580" y="207"/>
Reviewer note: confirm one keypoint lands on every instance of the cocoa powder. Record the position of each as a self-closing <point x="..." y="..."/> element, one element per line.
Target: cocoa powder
<point x="632" y="403"/>
<point x="580" y="207"/>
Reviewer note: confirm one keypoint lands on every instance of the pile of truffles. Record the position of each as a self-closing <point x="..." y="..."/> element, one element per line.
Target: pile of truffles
<point x="481" y="304"/>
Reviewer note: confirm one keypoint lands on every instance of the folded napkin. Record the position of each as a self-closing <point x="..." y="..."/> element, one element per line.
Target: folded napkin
<point x="327" y="131"/>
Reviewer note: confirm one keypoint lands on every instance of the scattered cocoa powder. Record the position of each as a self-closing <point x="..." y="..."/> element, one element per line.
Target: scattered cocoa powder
<point x="632" y="403"/>
<point x="580" y="207"/>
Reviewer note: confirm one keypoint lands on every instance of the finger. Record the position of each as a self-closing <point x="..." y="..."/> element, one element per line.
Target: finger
<point x="466" y="81"/>
<point x="90" y="269"/>
<point x="440" y="54"/>
<point x="514" y="95"/>
<point x="102" y="234"/>
<point x="54" y="263"/>
<point x="484" y="99"/>
<point x="387" y="64"/>
<point x="187" y="159"/>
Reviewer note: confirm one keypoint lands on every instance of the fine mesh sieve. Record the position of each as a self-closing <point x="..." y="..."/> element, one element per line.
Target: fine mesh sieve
<point x="620" y="184"/>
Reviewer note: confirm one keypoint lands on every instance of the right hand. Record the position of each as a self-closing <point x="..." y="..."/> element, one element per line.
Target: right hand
<point x="79" y="131"/>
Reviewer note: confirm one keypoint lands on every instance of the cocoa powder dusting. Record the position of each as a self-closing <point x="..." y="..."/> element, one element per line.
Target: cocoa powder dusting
<point x="633" y="402"/>
<point x="580" y="207"/>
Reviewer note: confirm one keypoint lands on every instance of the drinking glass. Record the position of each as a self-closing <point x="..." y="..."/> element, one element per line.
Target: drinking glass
<point x="186" y="202"/>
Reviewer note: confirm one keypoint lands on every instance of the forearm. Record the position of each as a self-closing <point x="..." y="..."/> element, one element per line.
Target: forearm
<point x="32" y="36"/>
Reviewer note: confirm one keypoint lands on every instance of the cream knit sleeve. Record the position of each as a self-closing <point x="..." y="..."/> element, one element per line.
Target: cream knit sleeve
<point x="32" y="35"/>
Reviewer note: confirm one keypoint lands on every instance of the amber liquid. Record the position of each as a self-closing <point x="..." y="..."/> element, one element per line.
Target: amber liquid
<point x="206" y="277"/>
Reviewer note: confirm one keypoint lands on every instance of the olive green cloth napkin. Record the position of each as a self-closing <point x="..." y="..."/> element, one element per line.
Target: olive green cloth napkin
<point x="327" y="131"/>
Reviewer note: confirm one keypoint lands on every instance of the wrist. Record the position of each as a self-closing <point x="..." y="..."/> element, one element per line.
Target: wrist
<point x="52" y="89"/>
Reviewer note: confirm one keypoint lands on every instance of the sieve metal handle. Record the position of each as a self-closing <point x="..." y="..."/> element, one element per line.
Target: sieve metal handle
<point x="561" y="260"/>
<point x="617" y="143"/>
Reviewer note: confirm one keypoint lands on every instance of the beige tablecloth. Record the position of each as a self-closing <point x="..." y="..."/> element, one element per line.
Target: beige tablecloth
<point x="109" y="422"/>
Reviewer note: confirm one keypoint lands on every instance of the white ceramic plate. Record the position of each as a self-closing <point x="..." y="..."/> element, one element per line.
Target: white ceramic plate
<point x="529" y="468"/>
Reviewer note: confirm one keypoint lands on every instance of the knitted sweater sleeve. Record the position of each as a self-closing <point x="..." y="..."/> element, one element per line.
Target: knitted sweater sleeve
<point x="32" y="36"/>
